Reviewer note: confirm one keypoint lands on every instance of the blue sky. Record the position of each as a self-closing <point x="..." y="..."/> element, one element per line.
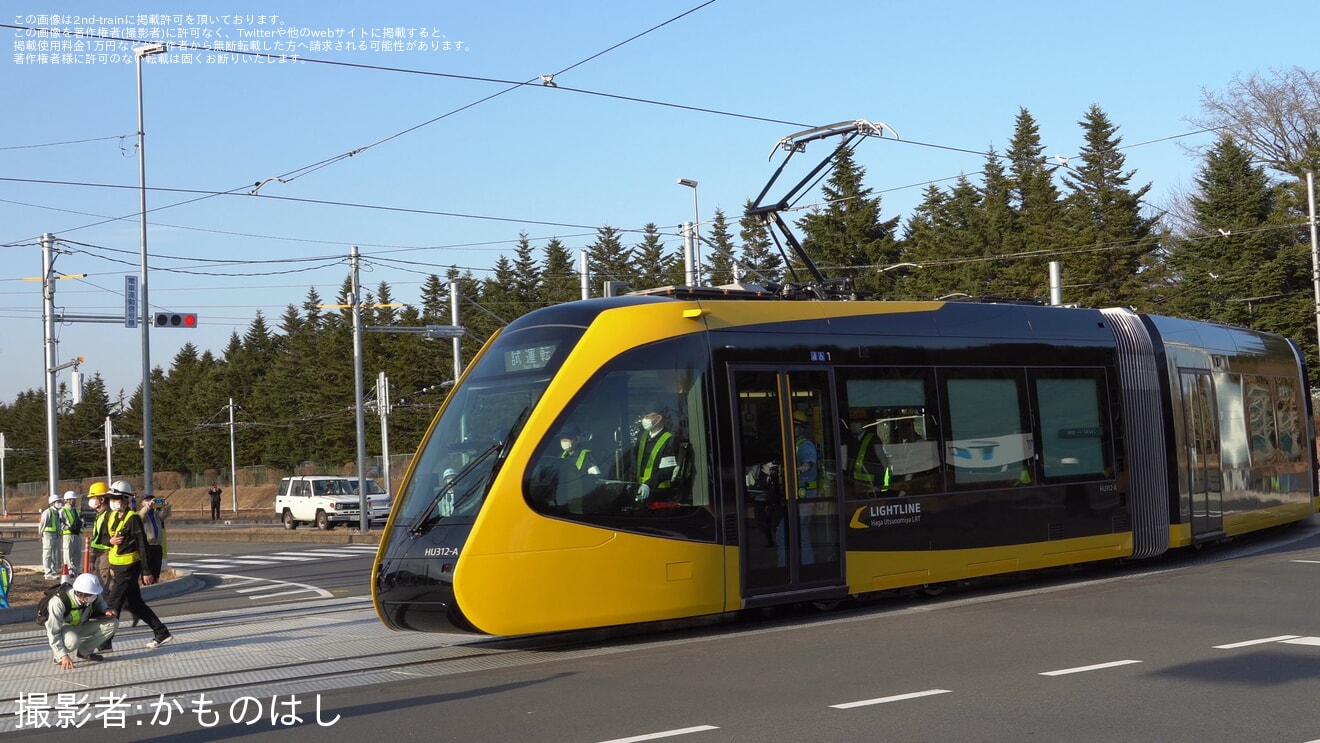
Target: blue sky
<point x="740" y="74"/>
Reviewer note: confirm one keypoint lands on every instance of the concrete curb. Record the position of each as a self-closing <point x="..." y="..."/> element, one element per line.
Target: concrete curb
<point x="186" y="582"/>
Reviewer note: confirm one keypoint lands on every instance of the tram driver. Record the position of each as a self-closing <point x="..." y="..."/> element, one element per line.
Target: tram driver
<point x="655" y="468"/>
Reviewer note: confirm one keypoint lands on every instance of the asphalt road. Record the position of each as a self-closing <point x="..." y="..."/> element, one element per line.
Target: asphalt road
<point x="243" y="574"/>
<point x="1222" y="645"/>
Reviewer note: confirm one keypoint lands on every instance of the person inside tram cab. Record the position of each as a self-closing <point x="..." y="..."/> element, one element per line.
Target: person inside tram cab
<point x="578" y="471"/>
<point x="656" y="463"/>
<point x="870" y="467"/>
<point x="807" y="456"/>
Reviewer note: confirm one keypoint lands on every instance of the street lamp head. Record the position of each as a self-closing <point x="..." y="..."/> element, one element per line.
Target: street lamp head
<point x="148" y="50"/>
<point x="687" y="182"/>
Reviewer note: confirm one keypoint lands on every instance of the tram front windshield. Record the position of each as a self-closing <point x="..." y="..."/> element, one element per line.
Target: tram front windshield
<point x="482" y="418"/>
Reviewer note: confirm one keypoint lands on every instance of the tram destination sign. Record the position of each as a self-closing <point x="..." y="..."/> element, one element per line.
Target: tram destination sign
<point x="529" y="357"/>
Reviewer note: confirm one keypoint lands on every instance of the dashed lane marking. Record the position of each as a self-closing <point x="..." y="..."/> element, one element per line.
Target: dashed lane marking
<point x="664" y="734"/>
<point x="894" y="698"/>
<point x="1084" y="669"/>
<point x="1261" y="641"/>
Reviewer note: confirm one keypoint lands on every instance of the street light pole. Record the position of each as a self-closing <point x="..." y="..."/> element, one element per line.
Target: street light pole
<point x="1315" y="247"/>
<point x="696" y="230"/>
<point x="144" y="322"/>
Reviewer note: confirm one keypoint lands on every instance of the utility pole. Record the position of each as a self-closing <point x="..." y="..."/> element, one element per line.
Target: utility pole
<point x="453" y="320"/>
<point x="4" y="502"/>
<point x="148" y="444"/>
<point x="1315" y="249"/>
<point x="48" y="317"/>
<point x="109" y="446"/>
<point x="586" y="279"/>
<point x="48" y="279"/>
<point x="233" y="460"/>
<point x="384" y="407"/>
<point x="363" y="516"/>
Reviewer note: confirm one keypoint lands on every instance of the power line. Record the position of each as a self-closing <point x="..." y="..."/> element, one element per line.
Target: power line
<point x="120" y="137"/>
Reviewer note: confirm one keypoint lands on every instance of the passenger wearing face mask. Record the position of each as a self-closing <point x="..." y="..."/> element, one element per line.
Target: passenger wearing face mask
<point x="657" y="458"/>
<point x="98" y="541"/>
<point x="79" y="622"/>
<point x="128" y="551"/>
<point x="578" y="471"/>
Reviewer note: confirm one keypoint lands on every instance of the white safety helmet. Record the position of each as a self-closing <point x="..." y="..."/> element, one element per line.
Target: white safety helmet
<point x="87" y="583"/>
<point x="70" y="495"/>
<point x="123" y="487"/>
<point x="54" y="498"/>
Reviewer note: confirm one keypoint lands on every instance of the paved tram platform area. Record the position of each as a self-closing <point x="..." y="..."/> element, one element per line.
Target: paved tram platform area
<point x="273" y="656"/>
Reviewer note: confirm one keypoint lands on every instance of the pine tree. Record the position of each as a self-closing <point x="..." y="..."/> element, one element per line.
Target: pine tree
<point x="609" y="260"/>
<point x="1105" y="221"/>
<point x="1240" y="262"/>
<point x="527" y="284"/>
<point x="435" y="299"/>
<point x="760" y="263"/>
<point x="654" y="268"/>
<point x="1037" y="231"/>
<point x="847" y="238"/>
<point x="560" y="276"/>
<point x="718" y="251"/>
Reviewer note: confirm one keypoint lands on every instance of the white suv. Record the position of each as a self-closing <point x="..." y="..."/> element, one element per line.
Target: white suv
<point x="326" y="500"/>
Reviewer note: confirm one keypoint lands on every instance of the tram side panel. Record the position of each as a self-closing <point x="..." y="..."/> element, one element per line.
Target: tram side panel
<point x="1241" y="457"/>
<point x="971" y="495"/>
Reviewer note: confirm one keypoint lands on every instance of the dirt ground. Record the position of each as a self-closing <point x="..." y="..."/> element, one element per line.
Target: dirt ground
<point x="189" y="503"/>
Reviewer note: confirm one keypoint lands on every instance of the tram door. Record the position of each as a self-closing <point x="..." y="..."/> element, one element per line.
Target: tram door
<point x="790" y="532"/>
<point x="1201" y="467"/>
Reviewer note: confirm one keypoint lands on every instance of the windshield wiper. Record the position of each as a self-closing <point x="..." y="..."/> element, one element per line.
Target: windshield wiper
<point x="448" y="487"/>
<point x="417" y="529"/>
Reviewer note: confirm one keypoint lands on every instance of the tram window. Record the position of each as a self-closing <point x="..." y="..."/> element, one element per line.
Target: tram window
<point x="1234" y="443"/>
<point x="1074" y="428"/>
<point x="1289" y="421"/>
<point x="670" y="457"/>
<point x="990" y="444"/>
<point x="894" y="408"/>
<point x="1260" y="420"/>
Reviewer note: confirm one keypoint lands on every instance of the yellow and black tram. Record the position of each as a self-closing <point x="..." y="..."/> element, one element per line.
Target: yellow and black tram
<point x="811" y="451"/>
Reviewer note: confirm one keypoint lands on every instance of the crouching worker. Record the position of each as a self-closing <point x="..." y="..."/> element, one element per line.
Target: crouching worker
<point x="77" y="623"/>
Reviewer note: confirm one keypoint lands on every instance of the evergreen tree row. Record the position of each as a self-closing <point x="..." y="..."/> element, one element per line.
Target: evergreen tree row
<point x="1237" y="252"/>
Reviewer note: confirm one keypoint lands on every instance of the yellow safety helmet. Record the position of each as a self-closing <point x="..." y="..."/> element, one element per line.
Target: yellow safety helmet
<point x="97" y="488"/>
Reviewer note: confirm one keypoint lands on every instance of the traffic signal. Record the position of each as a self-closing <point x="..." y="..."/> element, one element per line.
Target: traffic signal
<point x="176" y="320"/>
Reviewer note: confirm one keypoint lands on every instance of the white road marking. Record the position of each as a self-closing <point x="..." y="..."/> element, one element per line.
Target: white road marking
<point x="1303" y="641"/>
<point x="665" y="734"/>
<point x="262" y="587"/>
<point x="271" y="585"/>
<point x="273" y="595"/>
<point x="895" y="698"/>
<point x="1312" y="562"/>
<point x="1083" y="669"/>
<point x="1261" y="641"/>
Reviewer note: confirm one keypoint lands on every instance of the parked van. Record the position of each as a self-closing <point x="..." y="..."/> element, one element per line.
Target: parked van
<point x="326" y="500"/>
